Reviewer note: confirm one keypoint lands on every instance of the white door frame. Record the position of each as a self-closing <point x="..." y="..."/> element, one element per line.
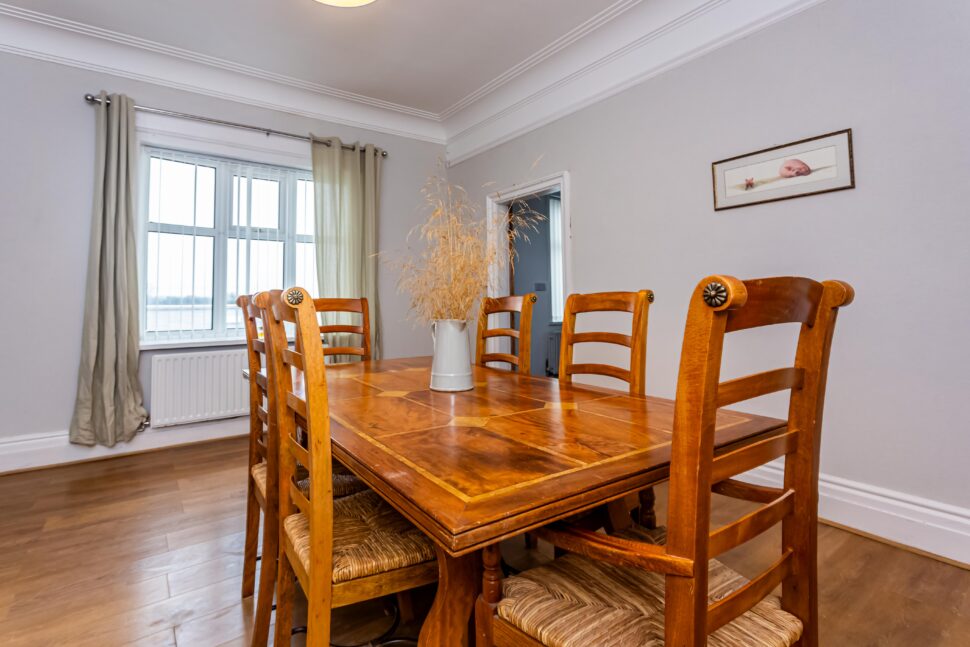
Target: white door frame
<point x="497" y="284"/>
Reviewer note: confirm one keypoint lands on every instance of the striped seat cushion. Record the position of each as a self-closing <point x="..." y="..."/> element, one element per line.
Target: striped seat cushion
<point x="345" y="482"/>
<point x="579" y="602"/>
<point x="369" y="537"/>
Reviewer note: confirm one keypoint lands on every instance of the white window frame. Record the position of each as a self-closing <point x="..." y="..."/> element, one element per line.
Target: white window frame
<point x="557" y="293"/>
<point x="222" y="232"/>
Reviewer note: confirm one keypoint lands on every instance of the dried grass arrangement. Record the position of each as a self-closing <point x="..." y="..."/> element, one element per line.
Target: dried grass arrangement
<point x="449" y="275"/>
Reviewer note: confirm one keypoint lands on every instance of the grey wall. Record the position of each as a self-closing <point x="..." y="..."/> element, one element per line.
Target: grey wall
<point x="642" y="216"/>
<point x="46" y="152"/>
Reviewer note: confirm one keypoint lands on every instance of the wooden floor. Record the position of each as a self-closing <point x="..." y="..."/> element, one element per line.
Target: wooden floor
<point x="146" y="550"/>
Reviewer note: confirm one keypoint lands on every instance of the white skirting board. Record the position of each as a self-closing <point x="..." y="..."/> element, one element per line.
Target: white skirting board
<point x="931" y="526"/>
<point x="31" y="451"/>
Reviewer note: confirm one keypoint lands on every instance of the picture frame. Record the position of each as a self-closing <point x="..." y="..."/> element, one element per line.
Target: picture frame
<point x="811" y="166"/>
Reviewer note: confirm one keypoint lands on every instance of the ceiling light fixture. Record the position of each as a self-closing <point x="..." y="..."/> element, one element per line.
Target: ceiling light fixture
<point x="345" y="3"/>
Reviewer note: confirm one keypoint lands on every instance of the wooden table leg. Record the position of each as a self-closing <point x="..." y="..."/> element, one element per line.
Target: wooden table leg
<point x="459" y="582"/>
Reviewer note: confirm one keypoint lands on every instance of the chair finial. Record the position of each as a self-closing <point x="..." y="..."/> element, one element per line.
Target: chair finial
<point x="294" y="297"/>
<point x="715" y="294"/>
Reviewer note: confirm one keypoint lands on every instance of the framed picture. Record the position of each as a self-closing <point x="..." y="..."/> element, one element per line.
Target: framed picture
<point x="806" y="167"/>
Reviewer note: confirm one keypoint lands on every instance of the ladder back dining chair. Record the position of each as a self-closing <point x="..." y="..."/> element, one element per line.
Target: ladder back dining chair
<point x="341" y="551"/>
<point x="663" y="587"/>
<point x="261" y="475"/>
<point x="521" y="359"/>
<point x="638" y="304"/>
<point x="340" y="332"/>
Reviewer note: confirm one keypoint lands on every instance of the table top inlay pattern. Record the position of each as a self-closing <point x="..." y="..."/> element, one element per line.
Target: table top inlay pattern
<point x="515" y="452"/>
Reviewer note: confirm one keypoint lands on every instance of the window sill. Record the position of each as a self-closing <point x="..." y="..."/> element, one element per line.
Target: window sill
<point x="192" y="343"/>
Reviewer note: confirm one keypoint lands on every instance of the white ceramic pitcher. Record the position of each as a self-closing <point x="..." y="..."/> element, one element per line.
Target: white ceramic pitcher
<point x="451" y="368"/>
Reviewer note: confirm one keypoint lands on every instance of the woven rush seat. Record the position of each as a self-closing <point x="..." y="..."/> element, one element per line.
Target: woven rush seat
<point x="369" y="537"/>
<point x="345" y="482"/>
<point x="578" y="602"/>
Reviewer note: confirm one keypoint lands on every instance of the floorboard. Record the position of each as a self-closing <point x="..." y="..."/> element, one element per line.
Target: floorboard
<point x="145" y="550"/>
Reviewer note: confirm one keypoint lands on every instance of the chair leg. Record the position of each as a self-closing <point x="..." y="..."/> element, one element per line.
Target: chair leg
<point x="317" y="621"/>
<point x="531" y="541"/>
<point x="617" y="515"/>
<point x="251" y="544"/>
<point x="267" y="581"/>
<point x="648" y="516"/>
<point x="489" y="598"/>
<point x="285" y="592"/>
<point x="405" y="606"/>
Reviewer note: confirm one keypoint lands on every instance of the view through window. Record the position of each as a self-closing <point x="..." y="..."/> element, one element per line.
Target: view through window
<point x="215" y="228"/>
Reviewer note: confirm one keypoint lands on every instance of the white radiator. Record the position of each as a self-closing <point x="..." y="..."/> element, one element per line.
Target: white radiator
<point x="553" y="342"/>
<point x="191" y="387"/>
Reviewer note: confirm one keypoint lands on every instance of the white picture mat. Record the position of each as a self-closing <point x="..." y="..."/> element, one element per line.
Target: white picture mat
<point x="829" y="156"/>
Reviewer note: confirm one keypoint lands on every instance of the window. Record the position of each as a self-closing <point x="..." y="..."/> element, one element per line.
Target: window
<point x="556" y="290"/>
<point x="213" y="229"/>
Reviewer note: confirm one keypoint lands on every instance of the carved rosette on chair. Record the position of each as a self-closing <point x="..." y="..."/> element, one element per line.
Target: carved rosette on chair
<point x="451" y="367"/>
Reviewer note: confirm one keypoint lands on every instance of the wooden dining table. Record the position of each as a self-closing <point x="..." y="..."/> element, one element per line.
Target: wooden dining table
<point x="515" y="453"/>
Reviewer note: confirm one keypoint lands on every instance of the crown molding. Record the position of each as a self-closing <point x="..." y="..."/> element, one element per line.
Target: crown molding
<point x="561" y="43"/>
<point x="597" y="59"/>
<point x="40" y="36"/>
<point x="652" y="38"/>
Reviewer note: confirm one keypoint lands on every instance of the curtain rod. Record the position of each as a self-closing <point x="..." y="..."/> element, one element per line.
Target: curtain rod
<point x="90" y="98"/>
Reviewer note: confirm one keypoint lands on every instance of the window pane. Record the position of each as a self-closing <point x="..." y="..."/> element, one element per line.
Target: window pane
<point x="205" y="196"/>
<point x="266" y="266"/>
<point x="306" y="268"/>
<point x="557" y="280"/>
<point x="304" y="207"/>
<point x="179" y="294"/>
<point x="265" y="208"/>
<point x="181" y="193"/>
<point x="240" y="201"/>
<point x="251" y="266"/>
<point x="236" y="263"/>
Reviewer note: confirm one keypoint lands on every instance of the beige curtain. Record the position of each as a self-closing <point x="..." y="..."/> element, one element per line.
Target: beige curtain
<point x="109" y="407"/>
<point x="347" y="193"/>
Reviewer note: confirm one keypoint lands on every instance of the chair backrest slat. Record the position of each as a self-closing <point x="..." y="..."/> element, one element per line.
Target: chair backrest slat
<point x="520" y="359"/>
<point x="500" y="357"/>
<point x="722" y="304"/>
<point x="776" y="301"/>
<point x="355" y="330"/>
<point x="754" y="386"/>
<point x="747" y="491"/>
<point x="603" y="338"/>
<point x="751" y="525"/>
<point x="636" y="303"/>
<point x="747" y="458"/>
<point x="731" y="606"/>
<point x="501" y="332"/>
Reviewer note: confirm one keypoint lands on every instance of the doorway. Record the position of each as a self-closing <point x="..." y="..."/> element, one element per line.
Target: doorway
<point x="541" y="264"/>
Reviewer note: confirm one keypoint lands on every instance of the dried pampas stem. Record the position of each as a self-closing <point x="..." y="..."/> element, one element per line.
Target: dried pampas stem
<point x="450" y="274"/>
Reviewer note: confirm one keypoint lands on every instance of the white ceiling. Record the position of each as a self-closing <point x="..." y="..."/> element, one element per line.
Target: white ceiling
<point x="425" y="54"/>
<point x="469" y="74"/>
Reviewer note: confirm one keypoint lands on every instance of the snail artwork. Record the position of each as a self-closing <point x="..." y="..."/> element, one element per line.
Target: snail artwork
<point x="806" y="167"/>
